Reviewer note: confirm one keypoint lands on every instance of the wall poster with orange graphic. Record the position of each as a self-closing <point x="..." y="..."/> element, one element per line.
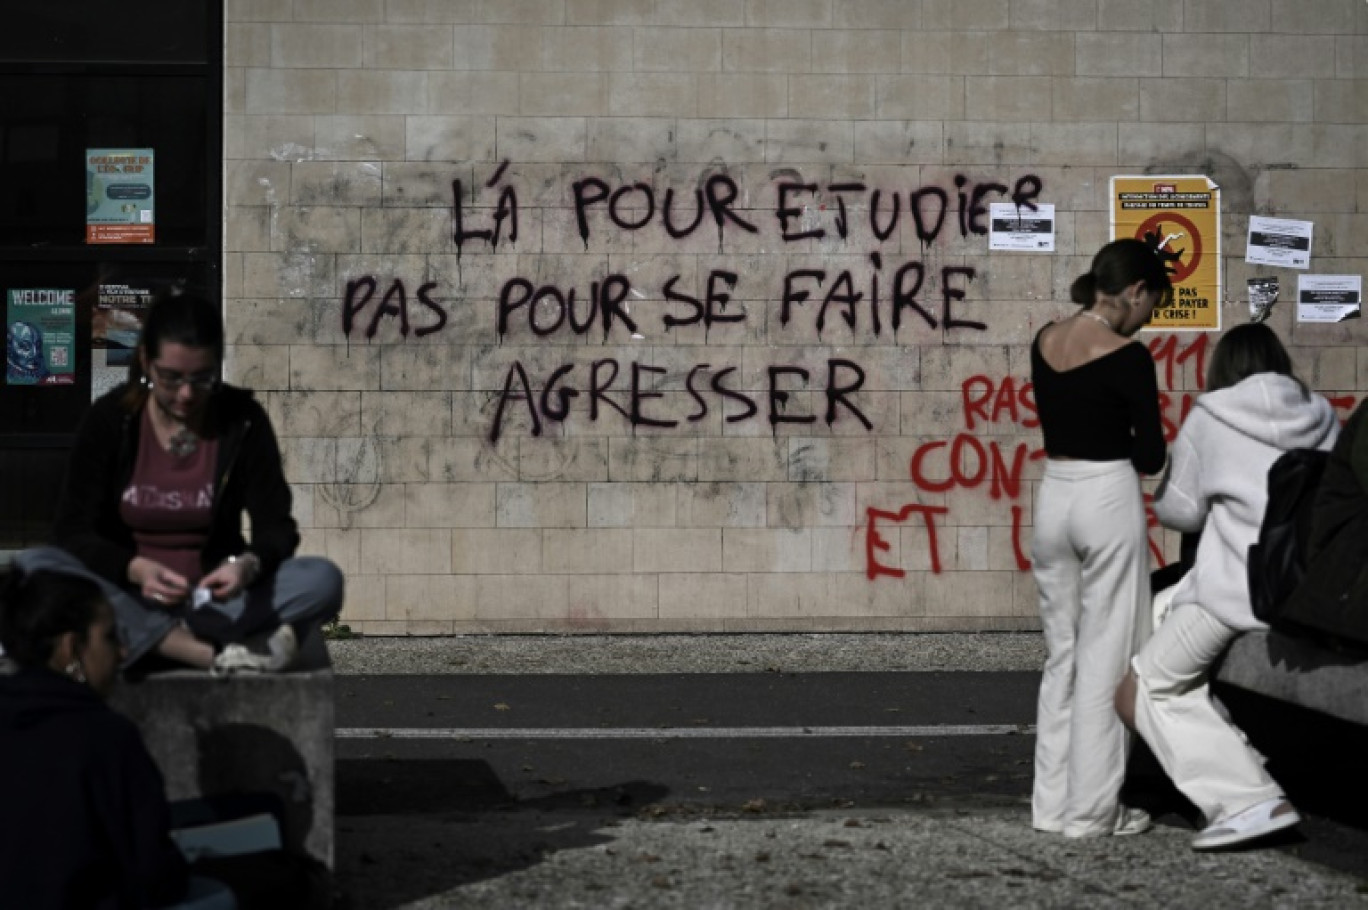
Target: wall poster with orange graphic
<point x="1180" y="218"/>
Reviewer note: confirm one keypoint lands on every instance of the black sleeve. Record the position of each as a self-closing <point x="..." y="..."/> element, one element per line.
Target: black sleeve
<point x="1141" y="388"/>
<point x="82" y="526"/>
<point x="275" y="536"/>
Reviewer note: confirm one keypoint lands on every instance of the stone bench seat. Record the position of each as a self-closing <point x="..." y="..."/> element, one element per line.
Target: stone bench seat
<point x="269" y="733"/>
<point x="1299" y="671"/>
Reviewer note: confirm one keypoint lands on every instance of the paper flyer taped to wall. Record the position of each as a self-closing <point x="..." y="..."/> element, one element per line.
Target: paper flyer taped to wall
<point x="1279" y="241"/>
<point x="1329" y="298"/>
<point x="1029" y="230"/>
<point x="1263" y="294"/>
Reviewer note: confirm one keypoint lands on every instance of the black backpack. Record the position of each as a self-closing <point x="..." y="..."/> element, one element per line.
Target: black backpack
<point x="1277" y="560"/>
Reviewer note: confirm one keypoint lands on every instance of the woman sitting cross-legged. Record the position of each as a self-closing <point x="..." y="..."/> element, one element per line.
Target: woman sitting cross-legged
<point x="163" y="471"/>
<point x="1253" y="410"/>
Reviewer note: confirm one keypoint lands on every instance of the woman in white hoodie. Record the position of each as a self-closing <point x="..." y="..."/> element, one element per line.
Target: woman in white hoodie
<point x="1254" y="409"/>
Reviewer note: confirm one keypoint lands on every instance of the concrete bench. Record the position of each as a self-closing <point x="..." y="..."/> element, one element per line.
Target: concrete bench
<point x="1299" y="671"/>
<point x="266" y="733"/>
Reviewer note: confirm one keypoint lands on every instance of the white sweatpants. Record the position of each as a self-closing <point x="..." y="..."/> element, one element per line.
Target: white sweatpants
<point x="1209" y="761"/>
<point x="1091" y="563"/>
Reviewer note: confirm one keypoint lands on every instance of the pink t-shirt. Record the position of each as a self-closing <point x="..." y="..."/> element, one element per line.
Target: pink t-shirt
<point x="169" y="501"/>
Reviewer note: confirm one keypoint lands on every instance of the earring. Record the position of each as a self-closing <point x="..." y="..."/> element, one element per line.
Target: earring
<point x="145" y="382"/>
<point x="76" y="671"/>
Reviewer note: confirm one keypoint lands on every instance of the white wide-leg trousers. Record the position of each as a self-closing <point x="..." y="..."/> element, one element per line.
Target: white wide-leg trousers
<point x="1090" y="558"/>
<point x="1209" y="760"/>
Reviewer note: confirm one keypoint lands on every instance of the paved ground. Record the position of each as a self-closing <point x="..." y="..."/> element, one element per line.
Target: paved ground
<point x="660" y="797"/>
<point x="601" y="654"/>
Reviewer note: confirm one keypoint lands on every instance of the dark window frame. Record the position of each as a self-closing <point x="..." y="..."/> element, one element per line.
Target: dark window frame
<point x="71" y="40"/>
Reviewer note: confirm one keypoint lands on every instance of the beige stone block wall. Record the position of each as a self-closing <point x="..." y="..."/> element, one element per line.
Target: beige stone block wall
<point x="547" y="350"/>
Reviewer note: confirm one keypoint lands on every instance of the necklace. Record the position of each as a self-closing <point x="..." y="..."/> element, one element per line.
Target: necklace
<point x="1102" y="319"/>
<point x="183" y="442"/>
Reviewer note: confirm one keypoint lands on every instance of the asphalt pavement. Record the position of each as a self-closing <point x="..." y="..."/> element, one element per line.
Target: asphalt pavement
<point x="774" y="771"/>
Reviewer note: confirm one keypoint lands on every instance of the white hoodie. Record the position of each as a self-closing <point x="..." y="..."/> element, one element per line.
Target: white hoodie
<point x="1217" y="481"/>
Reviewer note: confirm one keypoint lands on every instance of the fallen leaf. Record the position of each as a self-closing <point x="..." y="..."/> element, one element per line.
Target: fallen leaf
<point x="857" y="765"/>
<point x="762" y="857"/>
<point x="500" y="707"/>
<point x="753" y="805"/>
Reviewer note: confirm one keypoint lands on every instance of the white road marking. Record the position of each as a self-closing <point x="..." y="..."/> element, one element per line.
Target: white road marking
<point x="473" y="733"/>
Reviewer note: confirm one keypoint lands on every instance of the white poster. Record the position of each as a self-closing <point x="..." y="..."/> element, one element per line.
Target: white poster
<point x="1015" y="227"/>
<point x="1279" y="241"/>
<point x="1329" y="298"/>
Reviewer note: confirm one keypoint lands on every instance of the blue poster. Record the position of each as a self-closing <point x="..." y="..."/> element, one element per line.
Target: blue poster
<point x="40" y="337"/>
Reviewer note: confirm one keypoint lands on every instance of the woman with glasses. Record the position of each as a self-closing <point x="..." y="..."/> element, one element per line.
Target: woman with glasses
<point x="163" y="471"/>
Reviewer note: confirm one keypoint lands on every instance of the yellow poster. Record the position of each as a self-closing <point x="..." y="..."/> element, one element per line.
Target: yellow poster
<point x="1180" y="218"/>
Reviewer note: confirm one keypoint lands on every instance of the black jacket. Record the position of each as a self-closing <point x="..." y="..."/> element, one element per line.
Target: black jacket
<point x="1342" y="499"/>
<point x="248" y="478"/>
<point x="1331" y="600"/>
<point x="84" y="820"/>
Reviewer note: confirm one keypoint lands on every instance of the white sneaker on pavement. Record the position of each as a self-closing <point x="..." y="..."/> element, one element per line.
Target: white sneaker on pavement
<point x="1259" y="820"/>
<point x="1132" y="821"/>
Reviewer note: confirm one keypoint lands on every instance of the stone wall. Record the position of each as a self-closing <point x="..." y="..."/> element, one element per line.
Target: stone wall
<point x="637" y="315"/>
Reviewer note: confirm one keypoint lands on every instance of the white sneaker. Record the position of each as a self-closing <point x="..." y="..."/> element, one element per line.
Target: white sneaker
<point x="283" y="647"/>
<point x="237" y="658"/>
<point x="1132" y="821"/>
<point x="281" y="650"/>
<point x="1246" y="825"/>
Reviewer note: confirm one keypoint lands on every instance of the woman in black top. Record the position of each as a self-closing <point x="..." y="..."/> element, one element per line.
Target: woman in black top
<point x="1099" y="411"/>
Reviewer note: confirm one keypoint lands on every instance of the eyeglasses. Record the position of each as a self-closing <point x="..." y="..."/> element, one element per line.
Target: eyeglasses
<point x="199" y="382"/>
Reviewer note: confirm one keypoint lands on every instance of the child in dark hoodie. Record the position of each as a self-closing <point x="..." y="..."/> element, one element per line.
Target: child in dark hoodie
<point x="84" y="820"/>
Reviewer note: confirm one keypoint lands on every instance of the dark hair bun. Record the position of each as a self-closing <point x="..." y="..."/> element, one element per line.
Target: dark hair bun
<point x="1084" y="289"/>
